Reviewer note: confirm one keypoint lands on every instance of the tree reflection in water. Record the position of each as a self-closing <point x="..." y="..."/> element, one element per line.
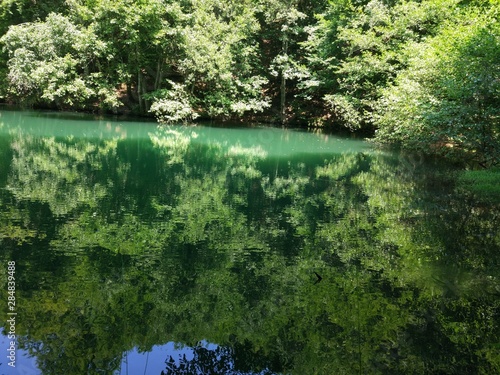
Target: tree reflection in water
<point x="124" y="243"/>
<point x="208" y="359"/>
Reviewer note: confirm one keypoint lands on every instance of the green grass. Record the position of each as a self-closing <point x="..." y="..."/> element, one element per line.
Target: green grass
<point x="485" y="184"/>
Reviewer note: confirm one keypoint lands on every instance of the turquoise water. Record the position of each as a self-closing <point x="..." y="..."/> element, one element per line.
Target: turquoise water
<point x="226" y="250"/>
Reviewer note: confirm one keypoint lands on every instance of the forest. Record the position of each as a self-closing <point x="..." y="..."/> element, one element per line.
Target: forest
<point x="423" y="75"/>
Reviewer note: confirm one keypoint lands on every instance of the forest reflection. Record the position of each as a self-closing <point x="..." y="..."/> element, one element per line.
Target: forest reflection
<point x="173" y="236"/>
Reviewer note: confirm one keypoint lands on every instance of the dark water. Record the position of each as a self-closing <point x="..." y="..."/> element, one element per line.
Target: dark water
<point x="205" y="250"/>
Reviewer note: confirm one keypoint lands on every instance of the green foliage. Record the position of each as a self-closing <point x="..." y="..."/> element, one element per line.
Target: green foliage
<point x="210" y="49"/>
<point x="13" y="12"/>
<point x="221" y="59"/>
<point x="447" y="100"/>
<point x="49" y="62"/>
<point x="172" y="106"/>
<point x="359" y="50"/>
<point x="422" y="74"/>
<point x="140" y="36"/>
<point x="285" y="23"/>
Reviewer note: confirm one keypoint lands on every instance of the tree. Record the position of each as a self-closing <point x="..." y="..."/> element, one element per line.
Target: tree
<point x="283" y="29"/>
<point x="359" y="48"/>
<point x="217" y="64"/>
<point x="142" y="39"/>
<point x="52" y="62"/>
<point x="447" y="100"/>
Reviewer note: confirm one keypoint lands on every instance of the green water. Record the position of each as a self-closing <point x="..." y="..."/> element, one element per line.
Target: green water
<point x="238" y="251"/>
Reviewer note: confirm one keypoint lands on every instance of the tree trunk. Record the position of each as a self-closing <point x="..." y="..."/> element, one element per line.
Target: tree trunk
<point x="283" y="99"/>
<point x="283" y="84"/>
<point x="139" y="90"/>
<point x="159" y="75"/>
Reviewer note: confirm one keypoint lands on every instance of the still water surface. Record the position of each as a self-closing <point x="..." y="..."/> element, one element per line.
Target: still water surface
<point x="212" y="250"/>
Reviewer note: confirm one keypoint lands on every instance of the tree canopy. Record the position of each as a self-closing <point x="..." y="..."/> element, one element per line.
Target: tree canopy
<point x="421" y="74"/>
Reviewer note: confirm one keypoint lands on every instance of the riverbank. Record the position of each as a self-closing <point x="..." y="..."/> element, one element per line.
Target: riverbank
<point x="484" y="184"/>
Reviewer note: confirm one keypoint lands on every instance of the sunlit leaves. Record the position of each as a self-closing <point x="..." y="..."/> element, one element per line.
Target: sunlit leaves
<point x="221" y="57"/>
<point x="446" y="99"/>
<point x="172" y="106"/>
<point x="49" y="62"/>
<point x="355" y="51"/>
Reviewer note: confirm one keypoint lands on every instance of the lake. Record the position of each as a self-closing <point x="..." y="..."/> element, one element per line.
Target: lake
<point x="129" y="248"/>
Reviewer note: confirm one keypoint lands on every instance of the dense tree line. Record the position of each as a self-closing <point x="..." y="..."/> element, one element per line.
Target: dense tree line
<point x="423" y="74"/>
